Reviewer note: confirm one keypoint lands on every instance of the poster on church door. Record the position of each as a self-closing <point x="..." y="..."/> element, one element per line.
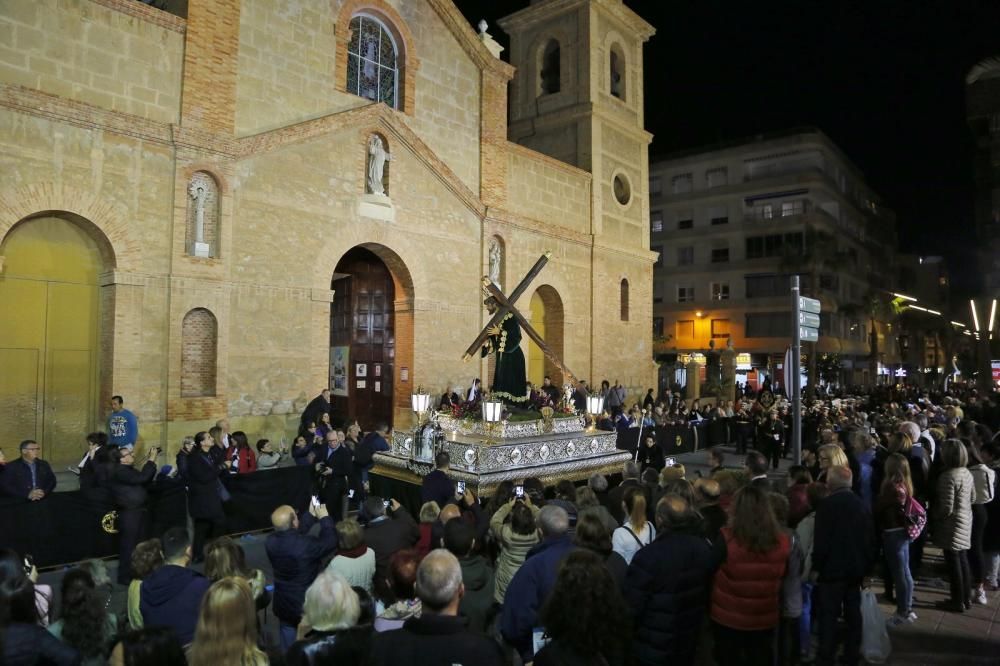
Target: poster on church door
<point x="338" y="370"/>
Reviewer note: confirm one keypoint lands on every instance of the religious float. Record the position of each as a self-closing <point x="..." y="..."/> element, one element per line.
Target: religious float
<point x="500" y="438"/>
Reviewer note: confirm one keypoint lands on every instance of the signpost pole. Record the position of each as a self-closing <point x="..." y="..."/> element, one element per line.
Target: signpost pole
<point x="796" y="375"/>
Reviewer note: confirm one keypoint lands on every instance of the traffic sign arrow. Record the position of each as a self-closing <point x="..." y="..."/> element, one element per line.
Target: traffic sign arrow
<point x="809" y="319"/>
<point x="807" y="304"/>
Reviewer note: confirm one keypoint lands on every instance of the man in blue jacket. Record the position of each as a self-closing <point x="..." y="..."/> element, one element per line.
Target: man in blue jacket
<point x="295" y="558"/>
<point x="123" y="426"/>
<point x="532" y="583"/>
<point x="667" y="586"/>
<point x="171" y="595"/>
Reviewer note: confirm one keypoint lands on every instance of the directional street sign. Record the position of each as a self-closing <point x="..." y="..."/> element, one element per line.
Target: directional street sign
<point x="808" y="319"/>
<point x="809" y="305"/>
<point x="808" y="334"/>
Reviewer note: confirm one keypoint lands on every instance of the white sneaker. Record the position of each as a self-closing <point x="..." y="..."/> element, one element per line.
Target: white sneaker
<point x="979" y="596"/>
<point x="911" y="617"/>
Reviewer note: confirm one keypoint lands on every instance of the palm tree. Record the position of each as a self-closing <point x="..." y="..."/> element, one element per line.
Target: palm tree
<point x="876" y="306"/>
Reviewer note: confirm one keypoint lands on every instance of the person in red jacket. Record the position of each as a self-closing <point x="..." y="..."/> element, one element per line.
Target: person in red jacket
<point x="753" y="552"/>
<point x="240" y="456"/>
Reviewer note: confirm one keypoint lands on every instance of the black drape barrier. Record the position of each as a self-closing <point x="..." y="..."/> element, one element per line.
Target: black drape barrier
<point x="66" y="527"/>
<point x="672" y="439"/>
<point x="407" y="494"/>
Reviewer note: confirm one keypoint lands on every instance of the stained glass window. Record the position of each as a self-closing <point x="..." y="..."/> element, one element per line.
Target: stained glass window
<point x="372" y="70"/>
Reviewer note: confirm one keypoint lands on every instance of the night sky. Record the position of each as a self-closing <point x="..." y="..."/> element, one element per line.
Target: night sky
<point x="883" y="78"/>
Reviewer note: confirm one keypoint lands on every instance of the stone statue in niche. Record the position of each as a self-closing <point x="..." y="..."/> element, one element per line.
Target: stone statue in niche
<point x="197" y="192"/>
<point x="377" y="157"/>
<point x="496" y="259"/>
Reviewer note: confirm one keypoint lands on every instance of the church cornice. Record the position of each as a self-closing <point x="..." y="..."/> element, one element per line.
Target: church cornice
<point x="467" y="39"/>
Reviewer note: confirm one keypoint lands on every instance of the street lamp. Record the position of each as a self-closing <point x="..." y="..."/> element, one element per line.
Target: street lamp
<point x="492" y="413"/>
<point x="421" y="403"/>
<point x="595" y="405"/>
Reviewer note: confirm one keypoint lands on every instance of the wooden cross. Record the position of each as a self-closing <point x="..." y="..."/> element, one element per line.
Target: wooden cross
<point x="505" y="305"/>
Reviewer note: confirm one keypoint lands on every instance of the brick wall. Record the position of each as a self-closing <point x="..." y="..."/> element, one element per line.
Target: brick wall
<point x="95" y="53"/>
<point x="199" y="341"/>
<point x="210" y="64"/>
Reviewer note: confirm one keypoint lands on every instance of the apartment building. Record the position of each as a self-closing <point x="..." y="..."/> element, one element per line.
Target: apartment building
<point x="733" y="222"/>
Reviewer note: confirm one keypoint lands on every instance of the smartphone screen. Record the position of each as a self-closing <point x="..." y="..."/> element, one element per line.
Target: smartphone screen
<point x="670" y="462"/>
<point x="350" y="493"/>
<point x="460" y="486"/>
<point x="519" y="492"/>
<point x="315" y="500"/>
<point x="385" y="503"/>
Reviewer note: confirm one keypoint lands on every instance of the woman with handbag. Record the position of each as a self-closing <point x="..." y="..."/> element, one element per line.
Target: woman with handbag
<point x="897" y="519"/>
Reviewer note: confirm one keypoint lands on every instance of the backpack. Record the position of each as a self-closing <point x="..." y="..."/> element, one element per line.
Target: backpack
<point x="916" y="518"/>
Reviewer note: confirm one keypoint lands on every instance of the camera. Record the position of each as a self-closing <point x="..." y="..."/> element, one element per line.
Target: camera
<point x="321" y="467"/>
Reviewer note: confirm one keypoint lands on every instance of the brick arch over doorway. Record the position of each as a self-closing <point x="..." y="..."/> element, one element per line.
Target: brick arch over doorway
<point x="103" y="218"/>
<point x="56" y="354"/>
<point x="371" y="335"/>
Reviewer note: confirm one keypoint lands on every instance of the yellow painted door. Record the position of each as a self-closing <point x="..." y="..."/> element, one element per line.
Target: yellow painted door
<point x="49" y="337"/>
<point x="536" y="360"/>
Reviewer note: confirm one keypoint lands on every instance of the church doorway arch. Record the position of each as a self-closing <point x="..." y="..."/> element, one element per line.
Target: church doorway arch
<point x="50" y="365"/>
<point x="371" y="336"/>
<point x="547" y="319"/>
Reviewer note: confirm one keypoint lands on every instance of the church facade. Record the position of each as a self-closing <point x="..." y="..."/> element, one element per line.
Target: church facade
<point x="216" y="215"/>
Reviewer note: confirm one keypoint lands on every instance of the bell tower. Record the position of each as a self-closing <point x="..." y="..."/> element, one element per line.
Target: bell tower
<point x="577" y="96"/>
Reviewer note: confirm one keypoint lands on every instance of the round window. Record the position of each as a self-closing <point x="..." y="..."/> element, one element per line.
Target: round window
<point x="623" y="191"/>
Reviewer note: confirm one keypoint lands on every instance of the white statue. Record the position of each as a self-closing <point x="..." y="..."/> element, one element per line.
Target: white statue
<point x="496" y="257"/>
<point x="197" y="192"/>
<point x="377" y="157"/>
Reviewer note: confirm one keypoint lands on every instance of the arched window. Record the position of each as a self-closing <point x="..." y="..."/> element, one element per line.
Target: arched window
<point x="624" y="297"/>
<point x="372" y="61"/>
<point x="550" y="80"/>
<point x="616" y="71"/>
<point x="199" y="342"/>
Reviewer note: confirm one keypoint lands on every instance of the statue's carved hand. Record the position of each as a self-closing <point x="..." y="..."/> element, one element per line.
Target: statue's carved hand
<point x="494" y="330"/>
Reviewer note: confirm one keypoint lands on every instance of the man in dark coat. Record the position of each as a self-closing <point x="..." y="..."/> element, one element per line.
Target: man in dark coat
<point x="843" y="554"/>
<point x="295" y="558"/>
<point x="315" y="409"/>
<point x="387" y="533"/>
<point x="631" y="478"/>
<point x="28" y="477"/>
<point x="335" y="465"/>
<point x="128" y="487"/>
<point x="205" y="492"/>
<point x="438" y="635"/>
<point x="171" y="595"/>
<point x="436" y="486"/>
<point x="667" y="587"/>
<point x="530" y="586"/>
<point x="374" y="442"/>
<point x="477" y="576"/>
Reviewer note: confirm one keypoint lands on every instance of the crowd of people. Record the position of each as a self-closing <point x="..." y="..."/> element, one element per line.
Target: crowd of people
<point x="665" y="566"/>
